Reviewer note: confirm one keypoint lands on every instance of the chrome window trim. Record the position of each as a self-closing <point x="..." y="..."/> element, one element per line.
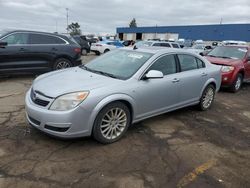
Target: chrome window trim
<point x="66" y="42"/>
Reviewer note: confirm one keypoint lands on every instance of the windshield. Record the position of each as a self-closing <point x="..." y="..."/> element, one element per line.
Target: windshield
<point x="198" y="47"/>
<point x="120" y="64"/>
<point x="228" y="52"/>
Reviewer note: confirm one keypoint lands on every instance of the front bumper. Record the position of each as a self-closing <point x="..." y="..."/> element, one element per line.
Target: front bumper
<point x="64" y="124"/>
<point x="227" y="79"/>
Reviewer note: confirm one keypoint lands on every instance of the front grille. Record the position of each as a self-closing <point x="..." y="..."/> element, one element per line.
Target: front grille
<point x="57" y="129"/>
<point x="36" y="100"/>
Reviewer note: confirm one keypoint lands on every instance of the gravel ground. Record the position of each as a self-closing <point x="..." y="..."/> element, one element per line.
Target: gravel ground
<point x="185" y="148"/>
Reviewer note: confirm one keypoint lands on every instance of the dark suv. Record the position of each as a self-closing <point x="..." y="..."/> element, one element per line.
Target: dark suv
<point x="85" y="47"/>
<point x="32" y="52"/>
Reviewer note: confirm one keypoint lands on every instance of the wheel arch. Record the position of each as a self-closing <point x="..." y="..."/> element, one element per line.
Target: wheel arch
<point x="213" y="82"/>
<point x="123" y="98"/>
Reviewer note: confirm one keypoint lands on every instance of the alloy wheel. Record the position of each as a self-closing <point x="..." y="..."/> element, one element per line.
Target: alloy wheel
<point x="113" y="123"/>
<point x="62" y="65"/>
<point x="208" y="98"/>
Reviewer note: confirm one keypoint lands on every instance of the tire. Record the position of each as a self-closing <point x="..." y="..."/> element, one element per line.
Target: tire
<point x="207" y="98"/>
<point x="97" y="53"/>
<point x="62" y="63"/>
<point x="107" y="129"/>
<point x="235" y="87"/>
<point x="107" y="50"/>
<point x="84" y="52"/>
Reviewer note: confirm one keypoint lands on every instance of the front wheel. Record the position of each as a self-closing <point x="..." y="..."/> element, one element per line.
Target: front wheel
<point x="207" y="98"/>
<point x="111" y="123"/>
<point x="62" y="63"/>
<point x="237" y="83"/>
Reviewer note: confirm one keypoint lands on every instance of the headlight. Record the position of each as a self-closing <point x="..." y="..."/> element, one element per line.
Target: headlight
<point x="68" y="101"/>
<point x="227" y="68"/>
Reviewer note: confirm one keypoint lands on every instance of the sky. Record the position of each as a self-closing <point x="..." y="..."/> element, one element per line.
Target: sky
<point x="104" y="16"/>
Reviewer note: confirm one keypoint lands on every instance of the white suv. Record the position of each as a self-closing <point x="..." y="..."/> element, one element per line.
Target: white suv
<point x="157" y="44"/>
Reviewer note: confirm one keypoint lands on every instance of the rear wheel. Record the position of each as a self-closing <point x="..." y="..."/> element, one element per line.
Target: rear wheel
<point x="111" y="123"/>
<point x="237" y="83"/>
<point x="207" y="98"/>
<point x="84" y="52"/>
<point x="107" y="50"/>
<point x="62" y="63"/>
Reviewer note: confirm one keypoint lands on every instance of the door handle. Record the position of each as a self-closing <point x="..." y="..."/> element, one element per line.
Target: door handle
<point x="203" y="74"/>
<point x="54" y="49"/>
<point x="175" y="80"/>
<point x="23" y="50"/>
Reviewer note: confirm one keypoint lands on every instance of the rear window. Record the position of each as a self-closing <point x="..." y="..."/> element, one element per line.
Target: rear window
<point x="175" y="45"/>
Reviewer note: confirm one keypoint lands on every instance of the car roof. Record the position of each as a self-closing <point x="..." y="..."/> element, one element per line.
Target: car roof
<point x="239" y="46"/>
<point x="156" y="50"/>
<point x="28" y="31"/>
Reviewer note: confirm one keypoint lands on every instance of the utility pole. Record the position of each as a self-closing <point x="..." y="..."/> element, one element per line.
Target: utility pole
<point x="67" y="20"/>
<point x="221" y="21"/>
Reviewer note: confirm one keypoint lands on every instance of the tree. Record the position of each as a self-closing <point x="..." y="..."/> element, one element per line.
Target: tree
<point x="133" y="23"/>
<point x="74" y="29"/>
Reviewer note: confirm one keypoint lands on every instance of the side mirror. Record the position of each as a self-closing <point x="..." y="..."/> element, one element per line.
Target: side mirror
<point x="153" y="74"/>
<point x="3" y="44"/>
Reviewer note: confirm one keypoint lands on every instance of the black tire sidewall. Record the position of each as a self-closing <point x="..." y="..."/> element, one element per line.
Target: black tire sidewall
<point x="107" y="50"/>
<point x="233" y="89"/>
<point x="57" y="61"/>
<point x="203" y="93"/>
<point x="96" y="131"/>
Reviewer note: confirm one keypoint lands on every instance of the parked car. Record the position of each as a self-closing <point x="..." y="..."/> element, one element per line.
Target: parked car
<point x="233" y="42"/>
<point x="157" y="44"/>
<point x="201" y="49"/>
<point x="85" y="47"/>
<point x="124" y="86"/>
<point x="30" y="51"/>
<point x="235" y="62"/>
<point x="105" y="46"/>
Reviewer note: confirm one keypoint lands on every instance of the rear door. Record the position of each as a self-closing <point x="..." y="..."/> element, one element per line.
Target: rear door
<point x="13" y="57"/>
<point x="44" y="48"/>
<point x="193" y="77"/>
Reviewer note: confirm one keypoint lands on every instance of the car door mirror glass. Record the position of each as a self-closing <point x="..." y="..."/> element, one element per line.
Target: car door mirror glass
<point x="152" y="74"/>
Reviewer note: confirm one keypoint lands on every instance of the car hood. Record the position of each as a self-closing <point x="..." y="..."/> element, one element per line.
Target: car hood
<point x="222" y="61"/>
<point x="57" y="83"/>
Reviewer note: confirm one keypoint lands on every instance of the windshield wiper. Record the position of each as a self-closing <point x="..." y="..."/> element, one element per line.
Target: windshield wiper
<point x="106" y="74"/>
<point x="211" y="55"/>
<point x="99" y="72"/>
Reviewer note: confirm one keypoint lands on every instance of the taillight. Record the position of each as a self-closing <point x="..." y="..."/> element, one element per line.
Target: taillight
<point x="98" y="45"/>
<point x="77" y="50"/>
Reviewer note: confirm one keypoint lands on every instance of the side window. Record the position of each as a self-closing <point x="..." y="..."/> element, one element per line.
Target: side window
<point x="166" y="45"/>
<point x="200" y="63"/>
<point x="157" y="44"/>
<point x="16" y="38"/>
<point x="165" y="64"/>
<point x="175" y="45"/>
<point x="44" y="39"/>
<point x="187" y="62"/>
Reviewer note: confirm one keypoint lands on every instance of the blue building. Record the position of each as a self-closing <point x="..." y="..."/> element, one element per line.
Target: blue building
<point x="218" y="32"/>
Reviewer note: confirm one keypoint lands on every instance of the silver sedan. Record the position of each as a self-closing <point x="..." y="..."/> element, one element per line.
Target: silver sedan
<point x="117" y="89"/>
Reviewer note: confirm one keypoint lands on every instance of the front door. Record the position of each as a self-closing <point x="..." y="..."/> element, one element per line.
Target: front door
<point x="13" y="57"/>
<point x="155" y="96"/>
